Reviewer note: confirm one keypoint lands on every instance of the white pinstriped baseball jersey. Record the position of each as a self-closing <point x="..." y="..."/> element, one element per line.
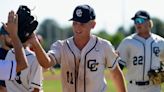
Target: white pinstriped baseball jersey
<point x="27" y="79"/>
<point x="83" y="71"/>
<point x="140" y="55"/>
<point x="7" y="69"/>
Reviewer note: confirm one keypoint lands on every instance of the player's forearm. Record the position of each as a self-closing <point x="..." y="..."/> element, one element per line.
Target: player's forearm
<point x="35" y="90"/>
<point x="19" y="54"/>
<point x="120" y="84"/>
<point x="43" y="59"/>
<point x="119" y="80"/>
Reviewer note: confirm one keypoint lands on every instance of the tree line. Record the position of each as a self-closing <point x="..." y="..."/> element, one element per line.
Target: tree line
<point x="51" y="31"/>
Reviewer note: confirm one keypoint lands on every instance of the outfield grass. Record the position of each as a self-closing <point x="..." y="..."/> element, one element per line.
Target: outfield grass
<point x="52" y="86"/>
<point x="52" y="83"/>
<point x="55" y="86"/>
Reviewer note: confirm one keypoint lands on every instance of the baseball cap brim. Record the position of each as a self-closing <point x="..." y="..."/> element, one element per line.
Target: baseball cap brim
<point x="78" y="20"/>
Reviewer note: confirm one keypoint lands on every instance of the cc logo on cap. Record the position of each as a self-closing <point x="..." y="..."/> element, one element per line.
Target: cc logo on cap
<point x="79" y="12"/>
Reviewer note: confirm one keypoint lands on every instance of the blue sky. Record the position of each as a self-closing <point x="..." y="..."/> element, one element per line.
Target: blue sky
<point x="110" y="14"/>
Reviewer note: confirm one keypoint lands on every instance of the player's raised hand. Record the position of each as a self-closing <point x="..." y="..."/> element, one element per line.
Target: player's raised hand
<point x="12" y="24"/>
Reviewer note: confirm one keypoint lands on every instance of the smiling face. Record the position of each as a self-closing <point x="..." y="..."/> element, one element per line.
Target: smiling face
<point x="82" y="29"/>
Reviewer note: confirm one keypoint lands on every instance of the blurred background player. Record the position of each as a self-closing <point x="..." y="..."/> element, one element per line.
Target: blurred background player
<point x="140" y="54"/>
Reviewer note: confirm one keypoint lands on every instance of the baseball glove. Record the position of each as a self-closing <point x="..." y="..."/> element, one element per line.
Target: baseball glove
<point x="26" y="23"/>
<point x="156" y="77"/>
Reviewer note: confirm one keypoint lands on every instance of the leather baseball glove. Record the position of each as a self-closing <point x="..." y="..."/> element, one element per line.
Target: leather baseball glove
<point x="26" y="23"/>
<point x="156" y="77"/>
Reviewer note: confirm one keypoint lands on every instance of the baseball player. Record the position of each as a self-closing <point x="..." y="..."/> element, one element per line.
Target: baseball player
<point x="6" y="45"/>
<point x="82" y="57"/>
<point x="8" y="68"/>
<point x="29" y="79"/>
<point x="140" y="53"/>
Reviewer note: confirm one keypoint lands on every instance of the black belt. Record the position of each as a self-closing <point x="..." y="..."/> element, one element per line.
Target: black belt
<point x="140" y="83"/>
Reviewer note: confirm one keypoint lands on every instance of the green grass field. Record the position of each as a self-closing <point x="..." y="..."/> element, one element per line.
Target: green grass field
<point x="55" y="86"/>
<point x="52" y="83"/>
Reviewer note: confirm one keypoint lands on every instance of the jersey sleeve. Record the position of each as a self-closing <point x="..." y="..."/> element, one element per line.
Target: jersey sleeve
<point x="111" y="56"/>
<point x="55" y="52"/>
<point x="7" y="70"/>
<point x="36" y="77"/>
<point x="123" y="52"/>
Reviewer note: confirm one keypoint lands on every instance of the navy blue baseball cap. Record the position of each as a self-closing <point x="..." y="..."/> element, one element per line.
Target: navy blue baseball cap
<point x="83" y="14"/>
<point x="141" y="14"/>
